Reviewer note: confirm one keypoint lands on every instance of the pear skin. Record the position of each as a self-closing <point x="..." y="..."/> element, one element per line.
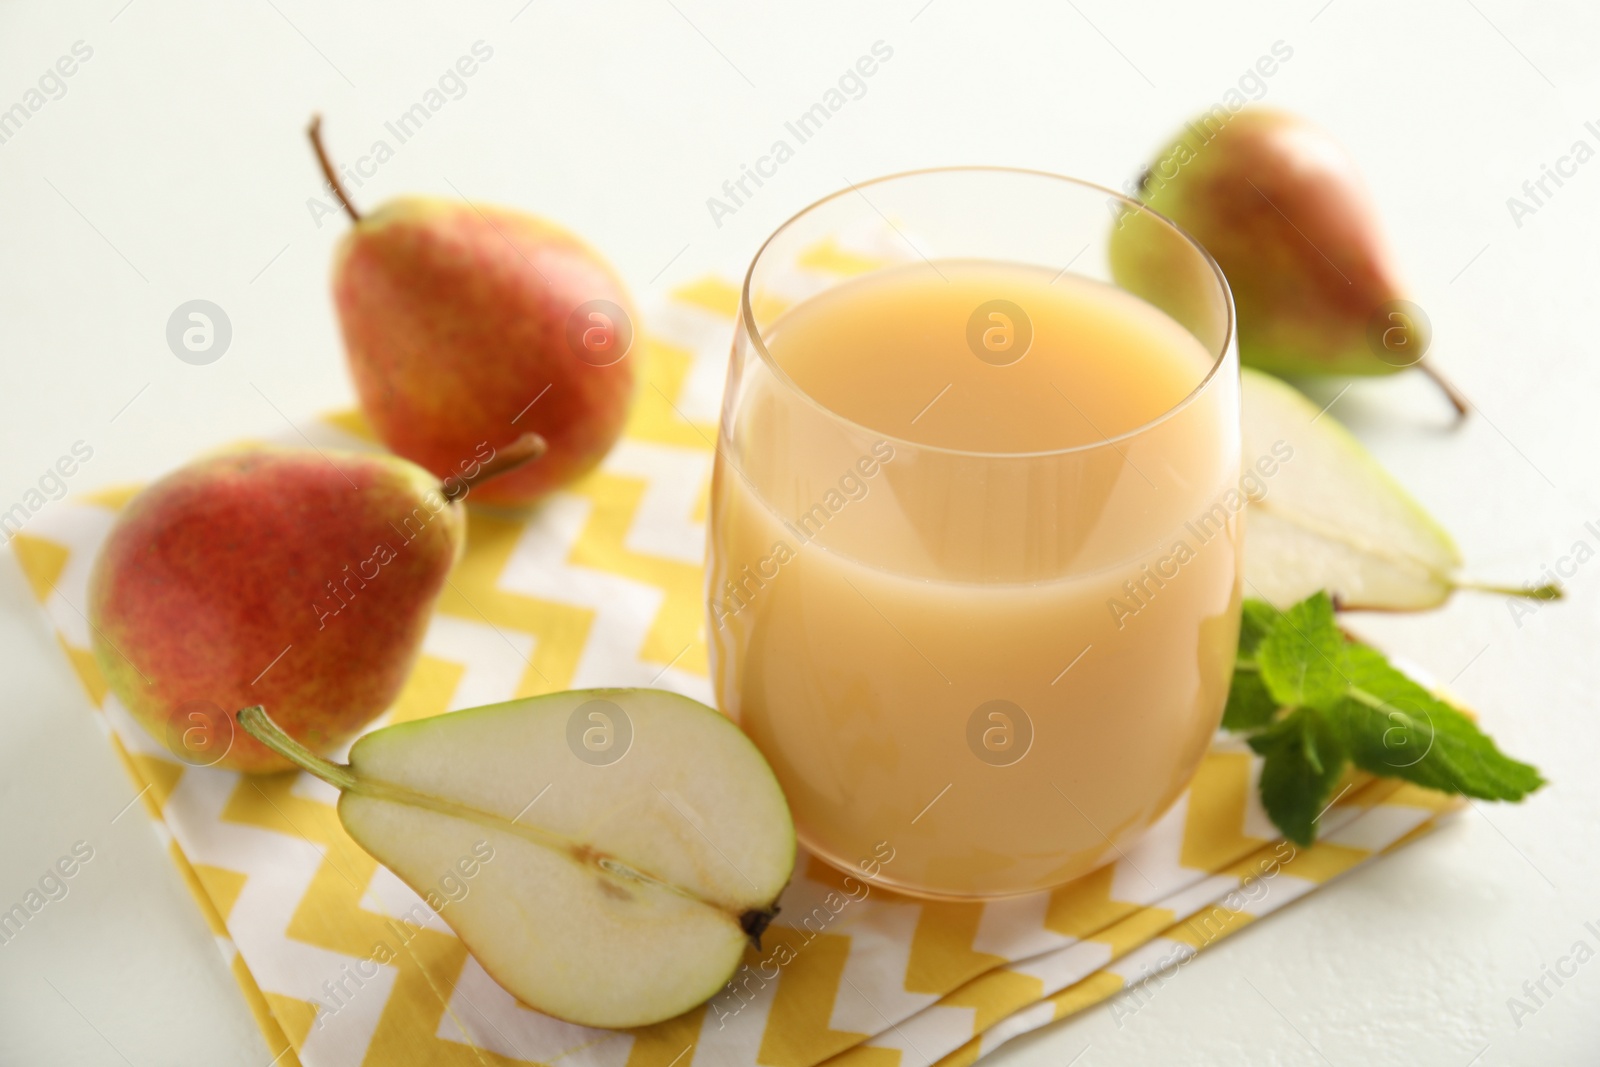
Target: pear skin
<point x="465" y="322"/>
<point x="1282" y="208"/>
<point x="301" y="578"/>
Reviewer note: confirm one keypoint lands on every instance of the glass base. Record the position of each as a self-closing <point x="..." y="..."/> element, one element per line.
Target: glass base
<point x="881" y="881"/>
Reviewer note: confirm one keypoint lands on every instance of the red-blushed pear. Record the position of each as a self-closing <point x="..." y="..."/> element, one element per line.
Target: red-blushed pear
<point x="462" y="321"/>
<point x="294" y="576"/>
<point x="1282" y="208"/>
<point x="623" y="848"/>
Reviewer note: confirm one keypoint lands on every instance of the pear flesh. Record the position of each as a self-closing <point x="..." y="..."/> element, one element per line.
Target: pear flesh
<point x="1331" y="517"/>
<point x="622" y="889"/>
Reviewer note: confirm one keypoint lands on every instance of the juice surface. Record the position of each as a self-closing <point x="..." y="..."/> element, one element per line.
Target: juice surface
<point x="1095" y="361"/>
<point x="1003" y="665"/>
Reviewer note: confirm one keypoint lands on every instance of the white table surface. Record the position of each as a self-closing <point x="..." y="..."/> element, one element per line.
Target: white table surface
<point x="174" y="167"/>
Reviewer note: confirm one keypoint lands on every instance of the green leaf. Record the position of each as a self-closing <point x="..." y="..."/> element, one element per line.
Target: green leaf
<point x="1250" y="705"/>
<point x="1312" y="702"/>
<point x="1301" y="657"/>
<point x="1304" y="759"/>
<point x="1256" y="622"/>
<point x="1395" y="728"/>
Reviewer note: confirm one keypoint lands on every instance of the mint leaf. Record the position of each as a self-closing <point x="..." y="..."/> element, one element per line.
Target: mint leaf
<point x="1304" y="758"/>
<point x="1249" y="703"/>
<point x="1256" y="622"/>
<point x="1311" y="702"/>
<point x="1302" y="655"/>
<point x="1395" y="728"/>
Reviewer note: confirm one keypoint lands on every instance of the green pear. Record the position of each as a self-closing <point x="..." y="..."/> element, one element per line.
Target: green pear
<point x="637" y="841"/>
<point x="291" y="575"/>
<point x="1282" y="209"/>
<point x="1330" y="517"/>
<point x="466" y="321"/>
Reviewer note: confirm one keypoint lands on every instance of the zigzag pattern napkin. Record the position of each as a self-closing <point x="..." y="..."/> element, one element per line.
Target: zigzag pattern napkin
<point x="603" y="586"/>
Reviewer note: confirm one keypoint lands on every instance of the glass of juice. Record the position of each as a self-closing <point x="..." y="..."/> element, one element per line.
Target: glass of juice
<point x="975" y="525"/>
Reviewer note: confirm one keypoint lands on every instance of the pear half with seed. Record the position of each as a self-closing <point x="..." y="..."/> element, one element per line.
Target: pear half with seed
<point x="1330" y="517"/>
<point x="639" y="841"/>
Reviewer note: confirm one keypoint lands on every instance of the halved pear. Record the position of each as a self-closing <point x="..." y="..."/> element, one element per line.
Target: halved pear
<point x="639" y="841"/>
<point x="1332" y="518"/>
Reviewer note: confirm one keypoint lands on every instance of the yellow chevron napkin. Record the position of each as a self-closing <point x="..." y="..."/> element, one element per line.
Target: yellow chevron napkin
<point x="603" y="586"/>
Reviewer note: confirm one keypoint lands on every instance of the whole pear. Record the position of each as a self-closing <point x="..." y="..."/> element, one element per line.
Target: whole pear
<point x="294" y="577"/>
<point x="463" y="320"/>
<point x="1282" y="209"/>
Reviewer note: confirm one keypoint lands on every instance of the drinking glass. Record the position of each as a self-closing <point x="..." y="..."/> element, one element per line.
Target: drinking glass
<point x="976" y="672"/>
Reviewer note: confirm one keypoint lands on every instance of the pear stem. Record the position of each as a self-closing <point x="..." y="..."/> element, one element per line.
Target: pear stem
<point x="315" y="133"/>
<point x="259" y="726"/>
<point x="1457" y="399"/>
<point x="1553" y="591"/>
<point x="525" y="449"/>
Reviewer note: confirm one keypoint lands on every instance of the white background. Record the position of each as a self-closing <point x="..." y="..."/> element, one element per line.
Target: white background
<point x="175" y="167"/>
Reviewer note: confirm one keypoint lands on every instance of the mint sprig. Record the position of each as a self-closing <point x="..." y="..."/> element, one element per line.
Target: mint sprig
<point x="1312" y="701"/>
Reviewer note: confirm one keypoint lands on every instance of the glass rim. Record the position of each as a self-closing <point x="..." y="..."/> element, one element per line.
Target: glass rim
<point x="748" y="324"/>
